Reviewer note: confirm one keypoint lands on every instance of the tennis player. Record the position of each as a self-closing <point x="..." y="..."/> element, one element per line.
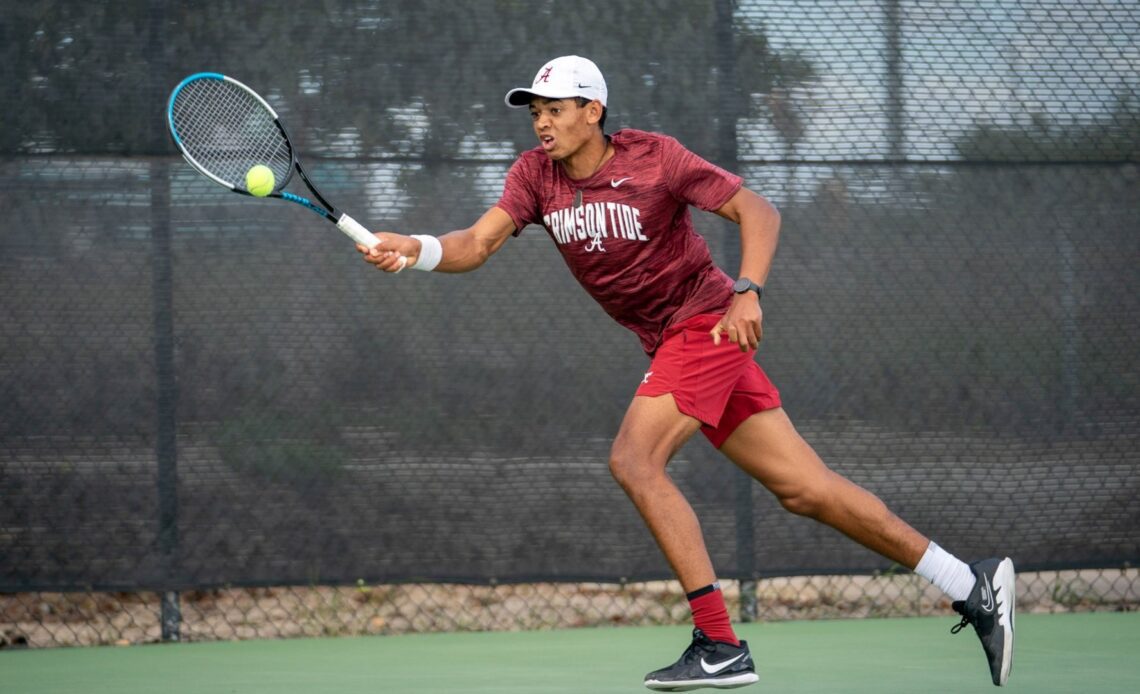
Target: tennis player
<point x="617" y="208"/>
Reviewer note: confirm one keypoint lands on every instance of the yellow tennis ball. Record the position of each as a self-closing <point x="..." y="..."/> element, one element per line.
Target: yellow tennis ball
<point x="259" y="180"/>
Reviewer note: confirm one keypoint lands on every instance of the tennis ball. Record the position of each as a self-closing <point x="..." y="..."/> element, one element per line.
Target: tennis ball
<point x="259" y="180"/>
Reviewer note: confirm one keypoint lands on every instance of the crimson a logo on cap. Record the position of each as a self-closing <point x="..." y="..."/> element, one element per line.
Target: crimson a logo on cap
<point x="545" y="76"/>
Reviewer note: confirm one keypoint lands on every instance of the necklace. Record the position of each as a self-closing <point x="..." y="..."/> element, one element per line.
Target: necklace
<point x="578" y="192"/>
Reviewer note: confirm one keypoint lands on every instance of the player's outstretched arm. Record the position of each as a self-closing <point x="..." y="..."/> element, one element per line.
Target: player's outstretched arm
<point x="463" y="250"/>
<point x="467" y="249"/>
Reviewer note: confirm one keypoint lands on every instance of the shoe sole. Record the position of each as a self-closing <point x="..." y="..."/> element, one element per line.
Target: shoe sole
<point x="1005" y="583"/>
<point x="742" y="680"/>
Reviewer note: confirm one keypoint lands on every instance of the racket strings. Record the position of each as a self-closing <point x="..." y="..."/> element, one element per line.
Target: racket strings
<point x="227" y="131"/>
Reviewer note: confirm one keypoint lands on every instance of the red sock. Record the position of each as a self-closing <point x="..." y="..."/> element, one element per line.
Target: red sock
<point x="710" y="614"/>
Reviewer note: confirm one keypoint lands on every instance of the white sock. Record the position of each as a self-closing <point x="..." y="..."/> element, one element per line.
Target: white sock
<point x="946" y="571"/>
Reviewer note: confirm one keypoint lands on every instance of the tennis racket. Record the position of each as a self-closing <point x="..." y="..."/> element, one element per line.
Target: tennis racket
<point x="223" y="129"/>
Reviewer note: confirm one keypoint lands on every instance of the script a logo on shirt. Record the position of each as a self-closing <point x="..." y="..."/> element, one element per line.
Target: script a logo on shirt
<point x="594" y="222"/>
<point x="595" y="244"/>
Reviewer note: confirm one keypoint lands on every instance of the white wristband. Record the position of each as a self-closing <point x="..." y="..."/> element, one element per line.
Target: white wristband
<point x="431" y="252"/>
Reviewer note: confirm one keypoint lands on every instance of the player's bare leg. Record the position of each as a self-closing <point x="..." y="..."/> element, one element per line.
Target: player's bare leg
<point x="769" y="448"/>
<point x="652" y="432"/>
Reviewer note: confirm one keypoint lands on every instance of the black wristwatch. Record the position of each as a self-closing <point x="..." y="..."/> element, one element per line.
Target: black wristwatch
<point x="744" y="284"/>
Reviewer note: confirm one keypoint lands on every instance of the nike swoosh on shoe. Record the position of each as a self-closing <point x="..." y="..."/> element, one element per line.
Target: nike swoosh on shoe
<point x="713" y="668"/>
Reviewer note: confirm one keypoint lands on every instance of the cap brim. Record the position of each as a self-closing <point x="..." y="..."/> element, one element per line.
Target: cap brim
<point x="520" y="97"/>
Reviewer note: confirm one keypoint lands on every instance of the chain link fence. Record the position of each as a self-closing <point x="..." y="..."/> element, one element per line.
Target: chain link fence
<point x="39" y="619"/>
<point x="214" y="423"/>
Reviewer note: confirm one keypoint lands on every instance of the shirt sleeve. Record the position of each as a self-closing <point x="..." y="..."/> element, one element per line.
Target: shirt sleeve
<point x="693" y="180"/>
<point x="520" y="198"/>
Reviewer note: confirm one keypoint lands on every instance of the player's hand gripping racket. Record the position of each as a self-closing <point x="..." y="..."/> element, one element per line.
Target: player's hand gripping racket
<point x="224" y="129"/>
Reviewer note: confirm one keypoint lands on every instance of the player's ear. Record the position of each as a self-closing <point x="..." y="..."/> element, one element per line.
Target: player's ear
<point x="594" y="111"/>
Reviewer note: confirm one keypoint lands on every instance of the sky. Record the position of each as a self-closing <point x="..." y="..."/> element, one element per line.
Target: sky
<point x="963" y="64"/>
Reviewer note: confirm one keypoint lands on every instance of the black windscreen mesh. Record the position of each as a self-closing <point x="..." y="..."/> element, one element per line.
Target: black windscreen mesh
<point x="198" y="388"/>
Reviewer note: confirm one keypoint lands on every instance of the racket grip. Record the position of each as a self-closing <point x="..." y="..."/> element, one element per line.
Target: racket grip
<point x="358" y="233"/>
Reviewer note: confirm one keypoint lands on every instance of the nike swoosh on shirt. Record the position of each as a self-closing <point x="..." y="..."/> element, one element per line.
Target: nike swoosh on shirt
<point x="713" y="669"/>
<point x="619" y="181"/>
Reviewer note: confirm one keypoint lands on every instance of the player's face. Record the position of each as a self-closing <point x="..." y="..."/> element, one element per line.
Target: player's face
<point x="562" y="126"/>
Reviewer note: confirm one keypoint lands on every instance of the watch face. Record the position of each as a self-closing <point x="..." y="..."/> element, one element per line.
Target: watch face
<point x="744" y="284"/>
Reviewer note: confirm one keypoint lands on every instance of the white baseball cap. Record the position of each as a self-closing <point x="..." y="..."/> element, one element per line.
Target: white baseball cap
<point x="562" y="78"/>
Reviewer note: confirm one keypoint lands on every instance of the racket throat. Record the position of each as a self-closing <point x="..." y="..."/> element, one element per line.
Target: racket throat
<point x="305" y="202"/>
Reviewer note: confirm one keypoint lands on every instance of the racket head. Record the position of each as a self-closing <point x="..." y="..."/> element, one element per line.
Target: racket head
<point x="223" y="129"/>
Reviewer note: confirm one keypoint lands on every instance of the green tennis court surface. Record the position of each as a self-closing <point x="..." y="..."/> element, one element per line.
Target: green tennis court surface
<point x="1055" y="653"/>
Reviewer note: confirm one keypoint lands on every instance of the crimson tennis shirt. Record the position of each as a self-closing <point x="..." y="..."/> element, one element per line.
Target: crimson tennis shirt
<point x="631" y="243"/>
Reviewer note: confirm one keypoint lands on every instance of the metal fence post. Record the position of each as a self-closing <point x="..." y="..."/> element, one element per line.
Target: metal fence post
<point x="162" y="300"/>
<point x="732" y="109"/>
<point x="165" y="446"/>
<point x="745" y="546"/>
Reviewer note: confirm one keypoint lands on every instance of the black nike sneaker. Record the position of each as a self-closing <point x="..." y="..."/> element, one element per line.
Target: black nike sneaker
<point x="706" y="663"/>
<point x="990" y="609"/>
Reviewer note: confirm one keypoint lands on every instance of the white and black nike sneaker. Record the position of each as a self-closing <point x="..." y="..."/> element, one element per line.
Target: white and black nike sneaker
<point x="706" y="663"/>
<point x="990" y="607"/>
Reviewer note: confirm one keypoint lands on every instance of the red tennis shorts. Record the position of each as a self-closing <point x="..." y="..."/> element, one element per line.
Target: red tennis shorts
<point x="718" y="385"/>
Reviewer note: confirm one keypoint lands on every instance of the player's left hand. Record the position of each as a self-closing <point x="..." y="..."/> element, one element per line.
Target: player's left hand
<point x="742" y="323"/>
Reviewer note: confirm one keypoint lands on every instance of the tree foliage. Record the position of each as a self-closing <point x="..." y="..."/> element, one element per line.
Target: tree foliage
<point x="400" y="77"/>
